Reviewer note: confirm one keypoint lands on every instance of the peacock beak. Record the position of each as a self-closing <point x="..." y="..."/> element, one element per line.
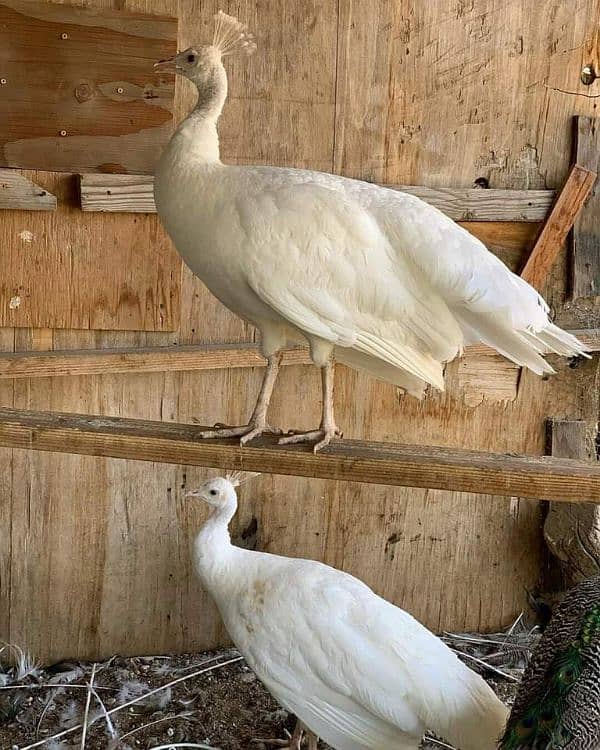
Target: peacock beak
<point x="169" y="64"/>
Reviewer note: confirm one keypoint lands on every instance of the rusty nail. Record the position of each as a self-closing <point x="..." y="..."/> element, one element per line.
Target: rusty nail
<point x="588" y="75"/>
<point x="63" y="133"/>
<point x="64" y="35"/>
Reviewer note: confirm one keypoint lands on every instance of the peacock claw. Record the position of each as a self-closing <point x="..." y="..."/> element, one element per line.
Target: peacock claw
<point x="245" y="432"/>
<point x="322" y="436"/>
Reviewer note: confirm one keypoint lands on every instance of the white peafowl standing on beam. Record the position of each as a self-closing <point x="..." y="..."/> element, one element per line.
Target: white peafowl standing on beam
<point x="356" y="670"/>
<point x="370" y="277"/>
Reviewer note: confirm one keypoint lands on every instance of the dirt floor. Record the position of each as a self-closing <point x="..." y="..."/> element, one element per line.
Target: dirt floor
<point x="210" y="699"/>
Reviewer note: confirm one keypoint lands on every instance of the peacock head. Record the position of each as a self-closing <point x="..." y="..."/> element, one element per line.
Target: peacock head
<point x="203" y="64"/>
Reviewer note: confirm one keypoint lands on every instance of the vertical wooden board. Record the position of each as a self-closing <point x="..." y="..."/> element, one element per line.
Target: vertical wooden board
<point x="72" y="270"/>
<point x="585" y="269"/>
<point x="98" y="104"/>
<point x="6" y="510"/>
<point x="572" y="530"/>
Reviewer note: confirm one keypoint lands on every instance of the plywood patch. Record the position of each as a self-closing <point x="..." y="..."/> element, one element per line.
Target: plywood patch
<point x="87" y="97"/>
<point x="478" y="377"/>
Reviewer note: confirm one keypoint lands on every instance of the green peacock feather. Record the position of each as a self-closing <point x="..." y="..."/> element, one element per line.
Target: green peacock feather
<point x="540" y="727"/>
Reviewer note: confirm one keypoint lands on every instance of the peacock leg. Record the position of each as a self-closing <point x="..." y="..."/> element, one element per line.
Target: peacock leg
<point x="328" y="429"/>
<point x="258" y="421"/>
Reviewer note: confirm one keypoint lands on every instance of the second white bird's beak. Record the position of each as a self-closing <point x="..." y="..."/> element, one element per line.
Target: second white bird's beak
<point x="193" y="493"/>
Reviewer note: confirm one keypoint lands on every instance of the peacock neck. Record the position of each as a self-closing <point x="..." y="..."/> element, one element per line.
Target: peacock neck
<point x="197" y="135"/>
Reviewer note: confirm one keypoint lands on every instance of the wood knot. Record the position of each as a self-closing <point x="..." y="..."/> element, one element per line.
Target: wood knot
<point x="84" y="92"/>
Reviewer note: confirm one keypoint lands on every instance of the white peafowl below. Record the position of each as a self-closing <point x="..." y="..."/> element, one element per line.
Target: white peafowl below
<point x="370" y="277"/>
<point x="356" y="670"/>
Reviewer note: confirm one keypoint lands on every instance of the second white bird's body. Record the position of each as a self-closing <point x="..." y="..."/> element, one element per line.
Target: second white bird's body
<point x="358" y="671"/>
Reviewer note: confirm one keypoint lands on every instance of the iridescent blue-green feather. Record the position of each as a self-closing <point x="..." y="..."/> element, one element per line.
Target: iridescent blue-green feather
<point x="558" y="703"/>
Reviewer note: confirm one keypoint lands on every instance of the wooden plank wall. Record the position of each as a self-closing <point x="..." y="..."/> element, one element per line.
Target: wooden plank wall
<point x="95" y="558"/>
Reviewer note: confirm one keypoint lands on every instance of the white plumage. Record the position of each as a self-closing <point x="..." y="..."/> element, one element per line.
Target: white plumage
<point x="371" y="277"/>
<point x="356" y="670"/>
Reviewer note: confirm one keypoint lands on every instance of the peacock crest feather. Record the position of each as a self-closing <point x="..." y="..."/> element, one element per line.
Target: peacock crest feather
<point x="537" y="721"/>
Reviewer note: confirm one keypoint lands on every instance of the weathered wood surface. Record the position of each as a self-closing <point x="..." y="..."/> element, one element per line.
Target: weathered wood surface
<point x="67" y="269"/>
<point x="558" y="225"/>
<point x="480" y="359"/>
<point x="87" y="97"/>
<point x="572" y="530"/>
<point x="331" y="92"/>
<point x="585" y="272"/>
<point x="435" y="468"/>
<point x="134" y="193"/>
<point x="18" y="192"/>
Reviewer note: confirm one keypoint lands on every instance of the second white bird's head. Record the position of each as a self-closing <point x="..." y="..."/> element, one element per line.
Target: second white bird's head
<point x="218" y="493"/>
<point x="199" y="64"/>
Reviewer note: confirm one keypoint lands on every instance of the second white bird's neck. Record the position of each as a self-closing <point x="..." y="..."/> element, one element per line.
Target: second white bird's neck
<point x="213" y="551"/>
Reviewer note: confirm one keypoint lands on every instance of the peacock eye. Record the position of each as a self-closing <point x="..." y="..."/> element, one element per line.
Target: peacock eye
<point x="191" y="58"/>
<point x="213" y="492"/>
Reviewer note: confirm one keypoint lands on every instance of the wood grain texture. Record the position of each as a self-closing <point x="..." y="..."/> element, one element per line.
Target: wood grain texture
<point x="134" y="193"/>
<point x="71" y="270"/>
<point x="477" y="366"/>
<point x="572" y="530"/>
<point x="469" y="99"/>
<point x="558" y="225"/>
<point x="585" y="268"/>
<point x="435" y="468"/>
<point x="96" y="103"/>
<point x="17" y="192"/>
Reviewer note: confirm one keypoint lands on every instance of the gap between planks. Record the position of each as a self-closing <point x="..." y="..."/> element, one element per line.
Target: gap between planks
<point x="440" y="468"/>
<point x="134" y="193"/>
<point x="178" y="358"/>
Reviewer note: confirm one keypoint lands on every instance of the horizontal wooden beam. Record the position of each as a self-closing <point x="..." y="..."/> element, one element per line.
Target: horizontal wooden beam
<point x="18" y="192"/>
<point x="133" y="193"/>
<point x="346" y="460"/>
<point x="52" y="364"/>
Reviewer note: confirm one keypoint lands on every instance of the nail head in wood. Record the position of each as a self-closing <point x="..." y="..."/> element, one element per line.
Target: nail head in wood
<point x="588" y="75"/>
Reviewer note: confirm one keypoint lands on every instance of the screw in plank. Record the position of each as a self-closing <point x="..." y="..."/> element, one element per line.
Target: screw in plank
<point x="63" y="133"/>
<point x="3" y="81"/>
<point x="588" y="75"/>
<point x="120" y="90"/>
<point x="64" y="35"/>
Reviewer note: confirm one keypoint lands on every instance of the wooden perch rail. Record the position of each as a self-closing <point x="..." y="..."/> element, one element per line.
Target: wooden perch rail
<point x="347" y="460"/>
<point x="179" y="358"/>
<point x="134" y="193"/>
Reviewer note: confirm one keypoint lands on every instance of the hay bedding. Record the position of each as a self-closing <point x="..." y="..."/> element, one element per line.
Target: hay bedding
<point x="210" y="699"/>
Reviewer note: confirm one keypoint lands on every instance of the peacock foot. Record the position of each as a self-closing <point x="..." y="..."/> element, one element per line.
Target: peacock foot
<point x="322" y="436"/>
<point x="245" y="432"/>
